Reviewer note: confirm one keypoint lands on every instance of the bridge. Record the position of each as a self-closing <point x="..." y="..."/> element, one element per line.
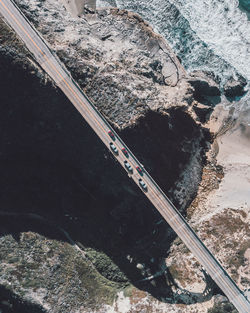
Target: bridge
<point x="57" y="71"/>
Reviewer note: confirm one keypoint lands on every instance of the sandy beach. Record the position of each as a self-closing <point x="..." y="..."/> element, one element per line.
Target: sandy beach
<point x="234" y="155"/>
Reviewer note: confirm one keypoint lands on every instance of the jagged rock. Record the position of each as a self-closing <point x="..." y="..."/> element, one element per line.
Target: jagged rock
<point x="202" y="111"/>
<point x="235" y="88"/>
<point x="206" y="90"/>
<point x="203" y="88"/>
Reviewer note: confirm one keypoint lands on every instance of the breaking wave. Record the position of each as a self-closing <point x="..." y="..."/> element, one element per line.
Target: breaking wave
<point x="210" y="35"/>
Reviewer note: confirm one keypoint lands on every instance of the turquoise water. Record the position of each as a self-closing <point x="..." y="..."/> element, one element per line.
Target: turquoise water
<point x="244" y="6"/>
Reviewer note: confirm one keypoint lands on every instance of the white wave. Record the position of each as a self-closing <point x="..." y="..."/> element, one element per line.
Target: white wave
<point x="223" y="27"/>
<point x="207" y="35"/>
<point x="203" y="35"/>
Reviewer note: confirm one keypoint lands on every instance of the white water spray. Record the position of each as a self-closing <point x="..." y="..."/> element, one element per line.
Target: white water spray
<point x="210" y="35"/>
<point x="224" y="28"/>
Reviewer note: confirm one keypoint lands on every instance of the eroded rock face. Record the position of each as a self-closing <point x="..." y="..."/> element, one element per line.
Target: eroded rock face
<point x="116" y="57"/>
<point x="54" y="166"/>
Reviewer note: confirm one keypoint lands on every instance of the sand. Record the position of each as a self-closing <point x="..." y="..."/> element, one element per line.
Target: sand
<point x="234" y="156"/>
<point x="233" y="153"/>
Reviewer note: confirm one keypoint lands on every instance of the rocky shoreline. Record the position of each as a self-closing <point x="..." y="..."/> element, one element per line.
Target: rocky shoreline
<point x="54" y="167"/>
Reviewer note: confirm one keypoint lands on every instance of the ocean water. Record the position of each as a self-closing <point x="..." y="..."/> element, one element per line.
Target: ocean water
<point x="212" y="35"/>
<point x="245" y="7"/>
<point x="223" y="27"/>
<point x="207" y="35"/>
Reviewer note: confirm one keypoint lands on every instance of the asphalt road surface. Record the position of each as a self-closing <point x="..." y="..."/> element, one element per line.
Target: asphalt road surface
<point x="51" y="64"/>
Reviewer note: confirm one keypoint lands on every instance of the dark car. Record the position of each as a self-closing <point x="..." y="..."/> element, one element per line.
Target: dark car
<point x="128" y="167"/>
<point x="111" y="134"/>
<point x="143" y="185"/>
<point x="113" y="148"/>
<point x="139" y="170"/>
<point x="125" y="152"/>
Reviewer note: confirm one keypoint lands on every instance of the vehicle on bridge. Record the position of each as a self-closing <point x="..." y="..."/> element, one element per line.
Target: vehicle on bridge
<point x="113" y="148"/>
<point x="125" y="152"/>
<point x="139" y="170"/>
<point x="111" y="134"/>
<point x="128" y="167"/>
<point x="143" y="185"/>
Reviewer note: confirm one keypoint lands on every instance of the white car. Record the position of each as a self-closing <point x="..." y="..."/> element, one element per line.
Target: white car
<point x="128" y="167"/>
<point x="113" y="148"/>
<point x="143" y="185"/>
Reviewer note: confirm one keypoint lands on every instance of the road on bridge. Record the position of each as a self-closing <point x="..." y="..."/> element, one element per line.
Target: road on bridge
<point x="57" y="71"/>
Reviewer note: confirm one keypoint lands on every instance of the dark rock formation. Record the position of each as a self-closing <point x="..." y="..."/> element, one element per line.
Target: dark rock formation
<point x="235" y="88"/>
<point x="206" y="90"/>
